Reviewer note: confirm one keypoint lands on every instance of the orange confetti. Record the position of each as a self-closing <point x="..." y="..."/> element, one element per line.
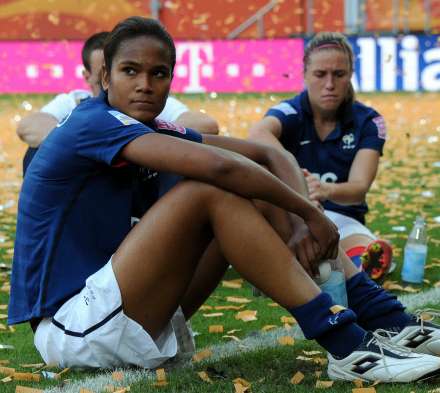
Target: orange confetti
<point x="247" y="315"/>
<point x="117" y="375"/>
<point x="234" y="284"/>
<point x="297" y="378"/>
<point x="199" y="356"/>
<point x="286" y="340"/>
<point x="27" y="377"/>
<point x="289" y="320"/>
<point x="235" y="308"/>
<point x="323" y="384"/>
<point x="161" y="375"/>
<point x="266" y="328"/>
<point x="215" y="329"/>
<point x="7" y="370"/>
<point x="364" y="390"/>
<point x="203" y="375"/>
<point x="25" y="389"/>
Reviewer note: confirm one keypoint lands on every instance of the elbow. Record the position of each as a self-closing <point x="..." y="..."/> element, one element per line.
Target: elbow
<point x="209" y="126"/>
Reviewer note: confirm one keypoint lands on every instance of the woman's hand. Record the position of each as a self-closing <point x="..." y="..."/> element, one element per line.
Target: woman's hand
<point x="318" y="191"/>
<point x="304" y="246"/>
<point x="325" y="233"/>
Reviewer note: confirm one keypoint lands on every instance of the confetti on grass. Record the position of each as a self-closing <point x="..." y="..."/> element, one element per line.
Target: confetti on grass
<point x="286" y="340"/>
<point x="297" y="378"/>
<point x="203" y="375"/>
<point x="199" y="356"/>
<point x="247" y="315"/>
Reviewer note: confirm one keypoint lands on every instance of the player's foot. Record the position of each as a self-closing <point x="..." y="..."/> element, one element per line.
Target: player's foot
<point x="377" y="358"/>
<point x="420" y="335"/>
<point x="377" y="259"/>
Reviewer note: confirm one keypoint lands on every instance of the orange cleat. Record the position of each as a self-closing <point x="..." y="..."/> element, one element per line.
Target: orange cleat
<point x="377" y="259"/>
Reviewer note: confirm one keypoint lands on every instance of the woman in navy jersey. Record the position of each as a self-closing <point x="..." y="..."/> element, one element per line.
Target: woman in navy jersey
<point x="100" y="294"/>
<point x="337" y="141"/>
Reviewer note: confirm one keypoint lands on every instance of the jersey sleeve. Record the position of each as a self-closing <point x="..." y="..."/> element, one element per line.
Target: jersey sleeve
<point x="63" y="104"/>
<point x="288" y="116"/>
<point x="374" y="134"/>
<point x="165" y="127"/>
<point x="172" y="110"/>
<point x="110" y="133"/>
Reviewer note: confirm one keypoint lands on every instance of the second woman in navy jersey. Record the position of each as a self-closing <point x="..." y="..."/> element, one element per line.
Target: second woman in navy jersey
<point x="337" y="141"/>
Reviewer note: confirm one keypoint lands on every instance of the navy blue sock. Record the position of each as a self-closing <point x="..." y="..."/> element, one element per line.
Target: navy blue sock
<point x="336" y="330"/>
<point x="374" y="307"/>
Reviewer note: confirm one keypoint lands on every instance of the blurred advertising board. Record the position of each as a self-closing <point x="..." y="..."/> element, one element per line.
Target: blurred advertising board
<point x="383" y="63"/>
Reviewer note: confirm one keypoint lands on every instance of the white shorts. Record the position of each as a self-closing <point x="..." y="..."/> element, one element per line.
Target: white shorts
<point x="91" y="330"/>
<point x="348" y="226"/>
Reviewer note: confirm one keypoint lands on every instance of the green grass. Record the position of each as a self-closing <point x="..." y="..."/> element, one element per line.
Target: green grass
<point x="406" y="170"/>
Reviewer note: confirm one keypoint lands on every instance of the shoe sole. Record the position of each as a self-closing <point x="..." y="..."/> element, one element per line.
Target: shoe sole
<point x="348" y="377"/>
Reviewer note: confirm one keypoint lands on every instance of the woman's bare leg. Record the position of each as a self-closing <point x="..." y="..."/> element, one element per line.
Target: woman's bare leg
<point x="157" y="261"/>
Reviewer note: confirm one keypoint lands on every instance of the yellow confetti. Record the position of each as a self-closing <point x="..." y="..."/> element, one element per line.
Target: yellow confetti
<point x="245" y="385"/>
<point x="32" y="365"/>
<point x="25" y="389"/>
<point x="161" y="375"/>
<point x="247" y="315"/>
<point x="203" y="375"/>
<point x="323" y="384"/>
<point x="266" y="328"/>
<point x="213" y="315"/>
<point x="289" y="320"/>
<point x="234" y="284"/>
<point x="286" y="340"/>
<point x="358" y="383"/>
<point x="117" y="375"/>
<point x="364" y="390"/>
<point x="215" y="329"/>
<point x="297" y="378"/>
<point x="235" y="308"/>
<point x="199" y="356"/>
<point x="273" y="305"/>
<point x="237" y="299"/>
<point x="26" y="377"/>
<point x="7" y="370"/>
<point x="337" y="308"/>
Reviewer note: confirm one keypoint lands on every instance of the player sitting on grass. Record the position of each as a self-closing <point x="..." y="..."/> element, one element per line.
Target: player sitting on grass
<point x="100" y="294"/>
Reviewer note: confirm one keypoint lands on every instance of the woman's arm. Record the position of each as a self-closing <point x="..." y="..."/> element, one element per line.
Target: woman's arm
<point x="230" y="171"/>
<point x="362" y="173"/>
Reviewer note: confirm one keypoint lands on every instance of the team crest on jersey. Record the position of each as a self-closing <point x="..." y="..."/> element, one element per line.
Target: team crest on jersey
<point x="166" y="125"/>
<point x="381" y="127"/>
<point x="285" y="108"/>
<point x="123" y="118"/>
<point x="348" y="141"/>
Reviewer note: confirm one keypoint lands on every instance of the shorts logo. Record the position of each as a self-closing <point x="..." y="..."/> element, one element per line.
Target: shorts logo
<point x="123" y="118"/>
<point x="381" y="127"/>
<point x="348" y="141"/>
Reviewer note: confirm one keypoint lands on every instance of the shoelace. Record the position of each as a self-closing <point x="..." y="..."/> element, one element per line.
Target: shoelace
<point x="431" y="312"/>
<point x="380" y="337"/>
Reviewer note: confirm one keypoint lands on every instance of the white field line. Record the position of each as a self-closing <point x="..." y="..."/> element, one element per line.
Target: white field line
<point x="255" y="341"/>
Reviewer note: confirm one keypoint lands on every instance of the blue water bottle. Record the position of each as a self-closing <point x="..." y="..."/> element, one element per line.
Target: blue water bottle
<point x="416" y="250"/>
<point x="331" y="280"/>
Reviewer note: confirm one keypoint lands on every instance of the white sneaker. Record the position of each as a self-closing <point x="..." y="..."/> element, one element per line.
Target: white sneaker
<point x="378" y="359"/>
<point x="420" y="335"/>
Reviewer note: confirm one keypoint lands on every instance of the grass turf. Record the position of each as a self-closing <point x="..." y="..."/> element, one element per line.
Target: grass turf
<point x="407" y="184"/>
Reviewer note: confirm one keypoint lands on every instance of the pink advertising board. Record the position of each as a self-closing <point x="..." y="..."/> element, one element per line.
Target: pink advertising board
<point x="206" y="66"/>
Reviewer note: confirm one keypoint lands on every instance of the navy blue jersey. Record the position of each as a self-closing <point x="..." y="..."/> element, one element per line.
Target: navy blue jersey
<point x="358" y="127"/>
<point x="75" y="206"/>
